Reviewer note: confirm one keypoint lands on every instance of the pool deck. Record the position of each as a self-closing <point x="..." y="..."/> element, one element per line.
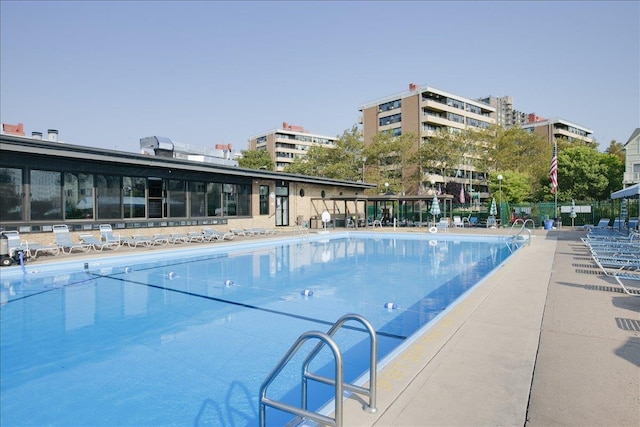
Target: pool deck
<point x="545" y="341"/>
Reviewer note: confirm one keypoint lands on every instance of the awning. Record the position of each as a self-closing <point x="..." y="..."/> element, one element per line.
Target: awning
<point x="632" y="192"/>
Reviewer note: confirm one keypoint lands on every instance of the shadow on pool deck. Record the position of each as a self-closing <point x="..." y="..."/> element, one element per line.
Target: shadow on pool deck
<point x="545" y="341"/>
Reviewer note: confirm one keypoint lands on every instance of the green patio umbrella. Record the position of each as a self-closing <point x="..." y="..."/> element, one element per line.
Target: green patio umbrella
<point x="435" y="207"/>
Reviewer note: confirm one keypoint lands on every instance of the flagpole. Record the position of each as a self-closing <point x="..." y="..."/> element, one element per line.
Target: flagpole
<point x="555" y="150"/>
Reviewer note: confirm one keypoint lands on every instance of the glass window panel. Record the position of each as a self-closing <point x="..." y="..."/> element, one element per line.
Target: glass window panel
<point x="133" y="197"/>
<point x="10" y="194"/>
<point x="78" y="196"/>
<point x="264" y="200"/>
<point x="229" y="200"/>
<point x="108" y="196"/>
<point x="177" y="199"/>
<point x="197" y="199"/>
<point x="214" y="199"/>
<point x="243" y="200"/>
<point x="46" y="197"/>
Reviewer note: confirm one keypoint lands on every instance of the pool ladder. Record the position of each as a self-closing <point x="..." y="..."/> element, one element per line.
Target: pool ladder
<point x="338" y="382"/>
<point x="519" y="237"/>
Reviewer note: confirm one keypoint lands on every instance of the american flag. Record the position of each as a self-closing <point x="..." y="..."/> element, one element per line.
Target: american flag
<point x="553" y="172"/>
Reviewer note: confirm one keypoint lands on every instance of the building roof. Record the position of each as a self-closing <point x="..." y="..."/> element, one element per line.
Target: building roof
<point x="25" y="145"/>
<point x="634" y="135"/>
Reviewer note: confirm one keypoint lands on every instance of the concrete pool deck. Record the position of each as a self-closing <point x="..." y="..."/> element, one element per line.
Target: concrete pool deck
<point x="545" y="341"/>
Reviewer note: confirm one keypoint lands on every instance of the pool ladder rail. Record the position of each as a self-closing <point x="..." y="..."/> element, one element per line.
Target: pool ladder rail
<point x="519" y="236"/>
<point x="338" y="382"/>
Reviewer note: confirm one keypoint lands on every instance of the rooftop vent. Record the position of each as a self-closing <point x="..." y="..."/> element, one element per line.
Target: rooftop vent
<point x="53" y="135"/>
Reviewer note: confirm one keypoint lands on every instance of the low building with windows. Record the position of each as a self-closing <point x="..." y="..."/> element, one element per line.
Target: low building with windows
<point x="286" y="144"/>
<point x="44" y="182"/>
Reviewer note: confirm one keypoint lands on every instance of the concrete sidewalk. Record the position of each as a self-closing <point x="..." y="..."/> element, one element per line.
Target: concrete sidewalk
<point x="541" y="342"/>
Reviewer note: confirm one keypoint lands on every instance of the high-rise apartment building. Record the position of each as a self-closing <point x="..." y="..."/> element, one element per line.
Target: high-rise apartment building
<point x="423" y="110"/>
<point x="288" y="143"/>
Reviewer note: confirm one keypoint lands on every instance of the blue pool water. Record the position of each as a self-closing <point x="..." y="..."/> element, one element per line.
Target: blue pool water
<point x="187" y="337"/>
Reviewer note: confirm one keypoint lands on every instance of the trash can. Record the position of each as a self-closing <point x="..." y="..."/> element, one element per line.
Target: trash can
<point x="548" y="224"/>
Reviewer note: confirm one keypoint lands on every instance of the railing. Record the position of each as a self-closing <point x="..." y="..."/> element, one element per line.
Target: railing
<point x="338" y="382"/>
<point x="519" y="237"/>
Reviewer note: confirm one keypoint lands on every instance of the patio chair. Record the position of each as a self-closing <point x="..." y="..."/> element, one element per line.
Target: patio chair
<point x="457" y="222"/>
<point x="97" y="244"/>
<point x="63" y="240"/>
<point x="212" y="234"/>
<point x="107" y="234"/>
<point x="137" y="240"/>
<point x="635" y="292"/>
<point x="238" y="232"/>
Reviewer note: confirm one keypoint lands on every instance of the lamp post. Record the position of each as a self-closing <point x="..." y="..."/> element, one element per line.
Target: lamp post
<point x="500" y="177"/>
<point x="364" y="160"/>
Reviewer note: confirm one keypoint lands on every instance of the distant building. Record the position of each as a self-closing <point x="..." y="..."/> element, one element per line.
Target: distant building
<point x="552" y="129"/>
<point x="632" y="159"/>
<point x="424" y="110"/>
<point x="505" y="114"/>
<point x="288" y="143"/>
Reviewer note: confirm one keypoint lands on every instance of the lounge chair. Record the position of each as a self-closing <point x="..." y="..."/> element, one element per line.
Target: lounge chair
<point x="211" y="234"/>
<point x="63" y="240"/>
<point x="137" y="240"/>
<point x="457" y="222"/>
<point x="97" y="244"/>
<point x="629" y="291"/>
<point x="194" y="236"/>
<point x="107" y="234"/>
<point x="239" y="232"/>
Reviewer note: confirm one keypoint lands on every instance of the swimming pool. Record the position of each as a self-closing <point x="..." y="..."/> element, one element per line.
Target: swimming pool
<point x="186" y="338"/>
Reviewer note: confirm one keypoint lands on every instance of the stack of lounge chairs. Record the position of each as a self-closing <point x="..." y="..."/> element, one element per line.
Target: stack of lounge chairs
<point x="617" y="254"/>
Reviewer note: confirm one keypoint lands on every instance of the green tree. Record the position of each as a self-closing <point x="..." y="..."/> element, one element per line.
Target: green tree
<point x="344" y="161"/>
<point x="614" y="171"/>
<point x="256" y="159"/>
<point x="444" y="152"/>
<point x="617" y="149"/>
<point x="582" y="175"/>
<point x="516" y="187"/>
<point x="393" y="161"/>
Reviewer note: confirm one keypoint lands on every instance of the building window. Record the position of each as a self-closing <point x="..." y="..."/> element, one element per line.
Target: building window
<point x="264" y="199"/>
<point x="134" y="197"/>
<point x="177" y="199"/>
<point x="46" y="196"/>
<point x="197" y="199"/>
<point x="10" y="194"/>
<point x="78" y="190"/>
<point x="108" y="196"/>
<point x="214" y="199"/>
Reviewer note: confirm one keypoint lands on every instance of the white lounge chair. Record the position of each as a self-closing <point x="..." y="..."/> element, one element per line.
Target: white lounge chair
<point x="211" y="234"/>
<point x="97" y="244"/>
<point x="63" y="240"/>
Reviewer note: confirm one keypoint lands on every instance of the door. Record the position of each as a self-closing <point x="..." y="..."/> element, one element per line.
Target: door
<point x="282" y="206"/>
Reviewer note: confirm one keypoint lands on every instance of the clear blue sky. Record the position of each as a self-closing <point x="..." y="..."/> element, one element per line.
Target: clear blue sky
<point x="105" y="74"/>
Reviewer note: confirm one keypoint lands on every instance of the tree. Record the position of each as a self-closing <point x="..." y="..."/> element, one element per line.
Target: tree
<point x="582" y="174"/>
<point x="344" y="161"/>
<point x="516" y="186"/>
<point x="395" y="157"/>
<point x="617" y="149"/>
<point x="614" y="171"/>
<point x="256" y="159"/>
<point x="443" y="152"/>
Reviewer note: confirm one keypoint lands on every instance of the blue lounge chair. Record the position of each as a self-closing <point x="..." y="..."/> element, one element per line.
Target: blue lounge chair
<point x="63" y="240"/>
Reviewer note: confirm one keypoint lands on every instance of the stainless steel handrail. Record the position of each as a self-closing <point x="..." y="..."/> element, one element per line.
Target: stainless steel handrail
<point x="264" y="401"/>
<point x="373" y="361"/>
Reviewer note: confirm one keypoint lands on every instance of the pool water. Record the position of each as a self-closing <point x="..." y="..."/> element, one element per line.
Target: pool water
<point x="187" y="338"/>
